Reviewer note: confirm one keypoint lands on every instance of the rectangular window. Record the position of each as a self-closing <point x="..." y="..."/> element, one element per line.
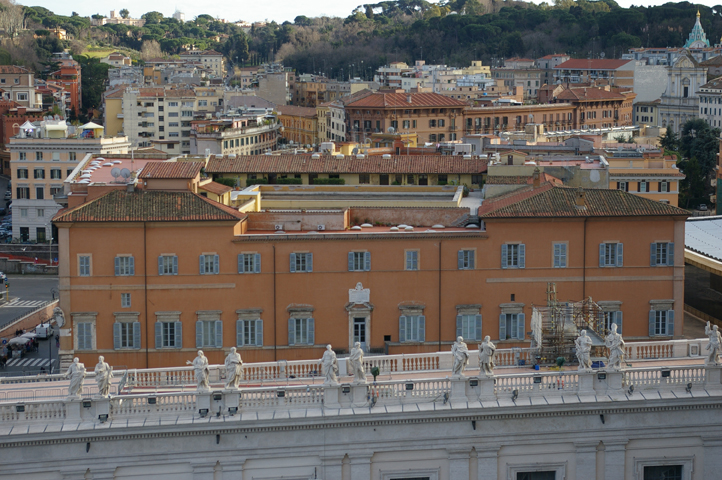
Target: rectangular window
<point x="168" y="335"/>
<point x="544" y="475"/>
<point x="39" y="193"/>
<point x="643" y="186"/>
<point x="465" y="260"/>
<point x="38" y="156"/>
<point x="71" y="156"/>
<point x="56" y="156"/>
<point x="301" y="331"/>
<point x="664" y="186"/>
<point x="301" y="262"/>
<point x="209" y="265"/>
<point x="40" y="212"/>
<point x="412" y="260"/>
<point x="412" y="328"/>
<point x="84" y="265"/>
<point x="173" y="114"/>
<point x="660" y="322"/>
<point x="125" y="300"/>
<point x="249" y="333"/>
<point x="359" y="261"/>
<point x="560" y="255"/>
<point x="39" y="173"/>
<point x="469" y="327"/>
<point x="364" y="178"/>
<point x="511" y="326"/>
<point x="663" y="472"/>
<point x="209" y="333"/>
<point x="126" y="335"/>
<point x="22" y="156"/>
<point x="22" y="97"/>
<point x="23" y="212"/>
<point x="513" y="255"/>
<point x="661" y="254"/>
<point x="612" y="318"/>
<point x="85" y="335"/>
<point x="249" y="263"/>
<point x="22" y="173"/>
<point x="611" y="254"/>
<point x="624" y="186"/>
<point x="172" y="104"/>
<point x="185" y="113"/>
<point x="168" y="265"/>
<point x="124" y="266"/>
<point x="56" y="174"/>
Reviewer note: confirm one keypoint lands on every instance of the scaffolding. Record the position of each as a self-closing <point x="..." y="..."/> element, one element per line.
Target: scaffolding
<point x="556" y="325"/>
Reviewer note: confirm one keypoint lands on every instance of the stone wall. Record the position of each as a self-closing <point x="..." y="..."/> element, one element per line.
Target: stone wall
<point x="408" y="216"/>
<point x="29" y="321"/>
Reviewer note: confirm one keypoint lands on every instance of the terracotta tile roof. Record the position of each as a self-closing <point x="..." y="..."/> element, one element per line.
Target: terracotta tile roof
<point x="14" y="69"/>
<point x="591" y="64"/>
<point x="215" y="187"/>
<point x="555" y="201"/>
<point x="400" y="100"/>
<point x="642" y="175"/>
<point x="296" y="111"/>
<point x="149" y="206"/>
<point x="589" y="94"/>
<point x="352" y="97"/>
<point x="520" y="179"/>
<point x="448" y="164"/>
<point x="712" y="62"/>
<point x="715" y="84"/>
<point x="188" y="170"/>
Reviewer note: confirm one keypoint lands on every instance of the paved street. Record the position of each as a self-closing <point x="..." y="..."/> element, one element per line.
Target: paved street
<point x="27" y="292"/>
<point x="34" y="362"/>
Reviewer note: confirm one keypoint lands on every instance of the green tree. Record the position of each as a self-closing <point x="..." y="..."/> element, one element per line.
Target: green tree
<point x="152" y="18"/>
<point x="692" y="188"/>
<point x="125" y="13"/>
<point x="669" y="141"/>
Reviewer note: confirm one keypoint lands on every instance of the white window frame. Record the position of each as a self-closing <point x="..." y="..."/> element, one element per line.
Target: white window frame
<point x="301" y="262"/>
<point x="661" y="254"/>
<point x="209" y="264"/>
<point x="611" y="254"/>
<point x="249" y="262"/>
<point x="162" y="328"/>
<point x="301" y="330"/>
<point x="249" y="332"/>
<point x="686" y="462"/>
<point x="85" y="318"/>
<point x="643" y="186"/>
<point x="412" y="327"/>
<point x="85" y="265"/>
<point x="513" y="255"/>
<point x="559" y="254"/>
<point x="124" y="266"/>
<point x="466" y="259"/>
<point x="411" y="260"/>
<point x="125" y="300"/>
<point x="167" y="264"/>
<point x="208" y="331"/>
<point x="359" y="261"/>
<point x="469" y="326"/>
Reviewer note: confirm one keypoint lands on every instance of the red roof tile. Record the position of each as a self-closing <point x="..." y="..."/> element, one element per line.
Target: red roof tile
<point x="401" y="100"/>
<point x="215" y="187"/>
<point x="591" y="64"/>
<point x="171" y="170"/>
<point x="296" y="111"/>
<point x="448" y="164"/>
<point x="589" y="94"/>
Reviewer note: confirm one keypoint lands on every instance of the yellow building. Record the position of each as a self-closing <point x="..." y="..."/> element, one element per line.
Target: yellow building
<point x="477" y="68"/>
<point x="300" y="124"/>
<point x="113" y="102"/>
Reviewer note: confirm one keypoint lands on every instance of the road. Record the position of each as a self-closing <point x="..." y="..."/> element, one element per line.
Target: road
<point x="33" y="363"/>
<point x="27" y="292"/>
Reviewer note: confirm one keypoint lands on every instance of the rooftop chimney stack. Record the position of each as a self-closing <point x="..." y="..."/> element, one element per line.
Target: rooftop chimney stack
<point x="536" y="177"/>
<point x="581" y="198"/>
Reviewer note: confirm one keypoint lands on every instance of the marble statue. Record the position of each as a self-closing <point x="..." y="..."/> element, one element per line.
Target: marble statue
<point x="103" y="374"/>
<point x="356" y="362"/>
<point x="714" y="345"/>
<point x="460" y="354"/>
<point x="329" y="366"/>
<point x="200" y="367"/>
<point x="234" y="368"/>
<point x="76" y="373"/>
<point x="615" y="344"/>
<point x="584" y="347"/>
<point x="486" y="357"/>
<point x="59" y="317"/>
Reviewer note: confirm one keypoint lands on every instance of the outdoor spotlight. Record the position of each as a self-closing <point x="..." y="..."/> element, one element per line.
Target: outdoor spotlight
<point x="152" y="400"/>
<point x="217" y="396"/>
<point x="232" y="410"/>
<point x="203" y="412"/>
<point x="103" y="417"/>
<point x="281" y="393"/>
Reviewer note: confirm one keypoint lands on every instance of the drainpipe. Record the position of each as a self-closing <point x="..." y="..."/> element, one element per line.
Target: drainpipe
<point x="584" y="261"/>
<point x="275" y="343"/>
<point x="145" y="292"/>
<point x="439" y="282"/>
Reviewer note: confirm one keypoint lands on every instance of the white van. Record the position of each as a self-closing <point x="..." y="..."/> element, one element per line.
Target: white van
<point x="44" y="330"/>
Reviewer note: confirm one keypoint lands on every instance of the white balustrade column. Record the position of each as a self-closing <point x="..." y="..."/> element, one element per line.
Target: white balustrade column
<point x="332" y="467"/>
<point x="614" y="453"/>
<point x="361" y="467"/>
<point x="459" y="464"/>
<point x="586" y="460"/>
<point x="487" y="458"/>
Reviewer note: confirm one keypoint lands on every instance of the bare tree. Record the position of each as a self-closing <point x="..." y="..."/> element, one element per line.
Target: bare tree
<point x="150" y="49"/>
<point x="12" y="18"/>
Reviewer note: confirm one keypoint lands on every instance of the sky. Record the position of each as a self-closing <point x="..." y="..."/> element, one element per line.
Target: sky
<point x="234" y="10"/>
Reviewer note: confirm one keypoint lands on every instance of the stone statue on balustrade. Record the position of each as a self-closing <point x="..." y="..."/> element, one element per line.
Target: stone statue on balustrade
<point x="329" y="366"/>
<point x="615" y="344"/>
<point x="487" y="351"/>
<point x="76" y="373"/>
<point x="583" y="344"/>
<point x="103" y="374"/>
<point x="234" y="369"/>
<point x="714" y="345"/>
<point x="460" y="355"/>
<point x="200" y="367"/>
<point x="356" y="362"/>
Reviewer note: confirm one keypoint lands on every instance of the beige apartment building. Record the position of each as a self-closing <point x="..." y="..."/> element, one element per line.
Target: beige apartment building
<point x="41" y="157"/>
<point x="250" y="135"/>
<point x="208" y="58"/>
<point x="18" y="85"/>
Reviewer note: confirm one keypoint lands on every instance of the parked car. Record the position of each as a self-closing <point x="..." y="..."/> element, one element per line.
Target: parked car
<point x="702" y="208"/>
<point x="8" y="195"/>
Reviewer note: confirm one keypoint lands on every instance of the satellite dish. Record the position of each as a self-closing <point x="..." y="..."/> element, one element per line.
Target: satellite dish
<point x="391" y="130"/>
<point x="125" y="173"/>
<point x="115" y="172"/>
<point x="601" y="55"/>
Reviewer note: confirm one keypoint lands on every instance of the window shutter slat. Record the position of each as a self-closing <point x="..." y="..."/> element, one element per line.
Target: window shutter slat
<point x="367" y="261"/>
<point x="291" y="331"/>
<point x="158" y="335"/>
<point x="175" y="265"/>
<point x="131" y="262"/>
<point x="350" y="261"/>
<point x="219" y="334"/>
<point x="601" y="255"/>
<point x="502" y="326"/>
<point x="564" y="255"/>
<point x="199" y="334"/>
<point x="259" y="333"/>
<point x="422" y="328"/>
<point x="240" y="263"/>
<point x="620" y="254"/>
<point x="522" y="255"/>
<point x="117" y="266"/>
<point x="116" y="335"/>
<point x="670" y="254"/>
<point x="257" y="263"/>
<point x="160" y="265"/>
<point x="460" y="259"/>
<point x="309" y="262"/>
<point x="618" y="321"/>
<point x="216" y="264"/>
<point x="653" y="254"/>
<point x="402" y="328"/>
<point x="311" y="331"/>
<point x="201" y="259"/>
<point x="651" y="323"/>
<point x="670" y="322"/>
<point x="557" y="255"/>
<point x="520" y="334"/>
<point x="293" y="262"/>
<point x="239" y="333"/>
<point x="477" y="319"/>
<point x="459" y="325"/>
<point x="504" y="251"/>
<point x="178" y="335"/>
<point x="136" y="335"/>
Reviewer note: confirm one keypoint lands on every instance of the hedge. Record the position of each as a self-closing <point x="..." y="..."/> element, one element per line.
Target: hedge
<point x="329" y="181"/>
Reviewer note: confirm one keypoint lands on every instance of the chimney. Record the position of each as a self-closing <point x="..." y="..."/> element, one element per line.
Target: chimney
<point x="581" y="198"/>
<point x="408" y="98"/>
<point x="536" y="178"/>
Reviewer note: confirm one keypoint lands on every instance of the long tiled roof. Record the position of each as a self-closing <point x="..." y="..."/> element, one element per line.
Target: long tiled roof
<point x="651" y="174"/>
<point x="519" y="179"/>
<point x="215" y="187"/>
<point x="13" y="69"/>
<point x="296" y="111"/>
<point x="401" y="100"/>
<point x="589" y="94"/>
<point x="171" y="170"/>
<point x="448" y="164"/>
<point x="591" y="64"/>
<point x="149" y="206"/>
<point x="556" y="201"/>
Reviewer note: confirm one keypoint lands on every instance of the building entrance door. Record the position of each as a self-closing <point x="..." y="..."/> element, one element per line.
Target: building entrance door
<point x="359" y="331"/>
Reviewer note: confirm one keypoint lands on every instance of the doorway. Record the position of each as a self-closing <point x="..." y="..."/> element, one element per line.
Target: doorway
<point x="383" y="179"/>
<point x="359" y="332"/>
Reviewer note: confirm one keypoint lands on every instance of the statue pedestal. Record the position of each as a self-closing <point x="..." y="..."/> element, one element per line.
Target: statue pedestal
<point x="613" y="380"/>
<point x="102" y="406"/>
<point x="713" y="376"/>
<point x="231" y="398"/>
<point x="203" y="401"/>
<point x="330" y="396"/>
<point x="486" y="388"/>
<point x="458" y="388"/>
<point x="73" y="408"/>
<point x="586" y="381"/>
<point x="359" y="392"/>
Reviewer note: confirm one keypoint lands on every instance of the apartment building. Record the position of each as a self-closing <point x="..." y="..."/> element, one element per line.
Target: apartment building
<point x="547" y="64"/>
<point x="69" y="75"/>
<point x="647" y="113"/>
<point x="529" y="79"/>
<point x="618" y="73"/>
<point x="208" y="58"/>
<point x="599" y="107"/>
<point x="247" y="135"/>
<point x="496" y="119"/>
<point x="160" y="116"/>
<point x="17" y="84"/>
<point x="710" y="102"/>
<point x="300" y="124"/>
<point x="331" y="119"/>
<point x="41" y="157"/>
